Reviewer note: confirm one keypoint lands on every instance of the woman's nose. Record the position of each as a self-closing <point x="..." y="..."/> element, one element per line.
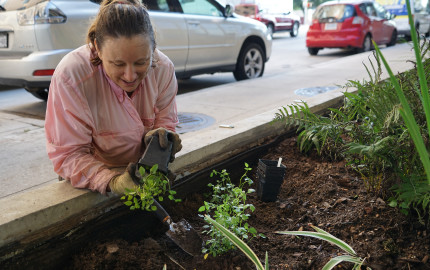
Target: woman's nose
<point x="130" y="73"/>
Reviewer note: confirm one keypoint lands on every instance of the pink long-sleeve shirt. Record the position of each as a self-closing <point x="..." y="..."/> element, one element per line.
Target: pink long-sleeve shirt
<point x="91" y="124"/>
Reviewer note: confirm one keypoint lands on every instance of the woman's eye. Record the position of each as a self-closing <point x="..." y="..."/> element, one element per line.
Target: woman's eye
<point x="118" y="64"/>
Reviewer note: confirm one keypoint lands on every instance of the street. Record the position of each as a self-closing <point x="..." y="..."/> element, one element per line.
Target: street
<point x="287" y="54"/>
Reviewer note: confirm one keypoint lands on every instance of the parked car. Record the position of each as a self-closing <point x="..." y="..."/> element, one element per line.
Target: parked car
<point x="350" y="24"/>
<point x="199" y="36"/>
<point x="275" y="21"/>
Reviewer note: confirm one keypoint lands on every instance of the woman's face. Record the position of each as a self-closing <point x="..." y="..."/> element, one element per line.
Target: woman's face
<point x="126" y="60"/>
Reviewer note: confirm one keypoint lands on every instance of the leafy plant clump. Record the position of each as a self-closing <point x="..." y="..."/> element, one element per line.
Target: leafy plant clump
<point x="350" y="257"/>
<point x="374" y="131"/>
<point x="154" y="185"/>
<point x="229" y="208"/>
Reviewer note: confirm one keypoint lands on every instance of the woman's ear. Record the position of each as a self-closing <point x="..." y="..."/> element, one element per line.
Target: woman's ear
<point x="97" y="48"/>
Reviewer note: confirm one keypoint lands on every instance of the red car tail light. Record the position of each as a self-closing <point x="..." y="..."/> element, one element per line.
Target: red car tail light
<point x="43" y="72"/>
<point x="315" y="24"/>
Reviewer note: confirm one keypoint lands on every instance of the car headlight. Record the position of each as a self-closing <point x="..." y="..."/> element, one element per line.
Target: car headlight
<point x="42" y="13"/>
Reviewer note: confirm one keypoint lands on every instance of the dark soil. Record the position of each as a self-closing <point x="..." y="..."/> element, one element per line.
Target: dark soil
<point x="314" y="191"/>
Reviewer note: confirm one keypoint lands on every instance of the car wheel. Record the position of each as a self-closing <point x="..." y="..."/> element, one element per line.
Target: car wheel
<point x="313" y="51"/>
<point x="393" y="39"/>
<point x="270" y="29"/>
<point x="295" y="31"/>
<point x="41" y="93"/>
<point x="367" y="44"/>
<point x="250" y="63"/>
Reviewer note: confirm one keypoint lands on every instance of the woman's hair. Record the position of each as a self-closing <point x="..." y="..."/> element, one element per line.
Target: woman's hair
<point x="119" y="18"/>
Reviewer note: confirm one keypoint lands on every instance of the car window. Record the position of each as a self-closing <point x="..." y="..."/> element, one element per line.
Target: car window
<point x="156" y="5"/>
<point x="334" y="12"/>
<point x="200" y="7"/>
<point x="245" y="10"/>
<point x="380" y="10"/>
<point x="10" y="5"/>
<point x="370" y="10"/>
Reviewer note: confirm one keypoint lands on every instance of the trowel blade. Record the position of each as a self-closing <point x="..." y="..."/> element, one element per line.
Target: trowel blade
<point x="185" y="237"/>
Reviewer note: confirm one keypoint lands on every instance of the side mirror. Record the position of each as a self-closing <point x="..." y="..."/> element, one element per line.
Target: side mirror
<point x="228" y="11"/>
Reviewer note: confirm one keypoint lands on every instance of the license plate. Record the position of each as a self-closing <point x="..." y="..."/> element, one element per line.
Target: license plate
<point x="330" y="26"/>
<point x="3" y="40"/>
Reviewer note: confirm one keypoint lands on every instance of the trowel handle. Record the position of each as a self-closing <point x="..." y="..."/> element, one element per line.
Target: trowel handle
<point x="161" y="213"/>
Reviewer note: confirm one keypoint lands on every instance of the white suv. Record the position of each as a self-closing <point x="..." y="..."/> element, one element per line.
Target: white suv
<point x="199" y="36"/>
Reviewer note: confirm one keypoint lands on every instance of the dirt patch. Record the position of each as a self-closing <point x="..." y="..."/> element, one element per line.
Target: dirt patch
<point x="318" y="192"/>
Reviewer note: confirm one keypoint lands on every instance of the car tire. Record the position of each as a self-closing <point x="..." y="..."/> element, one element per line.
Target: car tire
<point x="367" y="44"/>
<point x="295" y="31"/>
<point x="393" y="39"/>
<point x="313" y="51"/>
<point x="270" y="29"/>
<point x="250" y="63"/>
<point x="40" y="93"/>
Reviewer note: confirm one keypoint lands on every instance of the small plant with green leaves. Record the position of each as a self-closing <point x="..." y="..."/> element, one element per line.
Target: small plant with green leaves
<point x="239" y="243"/>
<point x="351" y="255"/>
<point x="229" y="208"/>
<point x="154" y="185"/>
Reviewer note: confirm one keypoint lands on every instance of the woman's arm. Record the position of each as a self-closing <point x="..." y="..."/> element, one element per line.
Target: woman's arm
<point x="69" y="128"/>
<point x="166" y="114"/>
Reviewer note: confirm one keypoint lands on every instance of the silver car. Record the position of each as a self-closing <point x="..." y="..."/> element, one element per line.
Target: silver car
<point x="199" y="36"/>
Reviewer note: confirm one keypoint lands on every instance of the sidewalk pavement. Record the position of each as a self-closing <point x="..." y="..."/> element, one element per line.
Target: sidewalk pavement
<point x="31" y="198"/>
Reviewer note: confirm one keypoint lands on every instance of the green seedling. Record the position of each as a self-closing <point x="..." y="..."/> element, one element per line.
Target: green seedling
<point x="228" y="207"/>
<point x="154" y="185"/>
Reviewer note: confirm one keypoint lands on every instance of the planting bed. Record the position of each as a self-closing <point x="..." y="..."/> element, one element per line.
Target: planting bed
<point x="314" y="191"/>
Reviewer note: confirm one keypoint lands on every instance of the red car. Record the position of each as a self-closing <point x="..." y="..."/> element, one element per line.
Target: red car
<point x="275" y="21"/>
<point x="350" y="24"/>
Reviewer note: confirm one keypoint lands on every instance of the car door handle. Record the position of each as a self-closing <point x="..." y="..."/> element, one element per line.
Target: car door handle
<point x="195" y="23"/>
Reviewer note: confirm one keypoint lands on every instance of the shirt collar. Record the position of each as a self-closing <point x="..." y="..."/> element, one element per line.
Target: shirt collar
<point x="119" y="92"/>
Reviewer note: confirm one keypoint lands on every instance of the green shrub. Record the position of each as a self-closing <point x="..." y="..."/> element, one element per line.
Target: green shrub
<point x="229" y="208"/>
<point x="376" y="131"/>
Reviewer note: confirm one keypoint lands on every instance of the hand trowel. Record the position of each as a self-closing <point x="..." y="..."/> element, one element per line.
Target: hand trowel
<point x="181" y="233"/>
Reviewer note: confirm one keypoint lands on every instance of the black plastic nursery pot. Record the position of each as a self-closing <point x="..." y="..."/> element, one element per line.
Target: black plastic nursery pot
<point x="270" y="178"/>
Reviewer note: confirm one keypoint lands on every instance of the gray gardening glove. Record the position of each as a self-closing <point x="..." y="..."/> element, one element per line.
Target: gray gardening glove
<point x="164" y="136"/>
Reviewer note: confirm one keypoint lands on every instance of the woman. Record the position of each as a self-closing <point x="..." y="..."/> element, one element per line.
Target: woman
<point x="108" y="98"/>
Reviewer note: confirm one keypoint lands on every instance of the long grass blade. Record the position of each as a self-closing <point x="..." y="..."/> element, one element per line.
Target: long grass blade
<point x="323" y="236"/>
<point x="343" y="258"/>
<point x="237" y="242"/>
<point x="420" y="68"/>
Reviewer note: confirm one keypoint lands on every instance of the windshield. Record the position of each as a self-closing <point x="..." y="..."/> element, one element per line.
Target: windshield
<point x="332" y="13"/>
<point x="10" y="5"/>
<point x="245" y="10"/>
